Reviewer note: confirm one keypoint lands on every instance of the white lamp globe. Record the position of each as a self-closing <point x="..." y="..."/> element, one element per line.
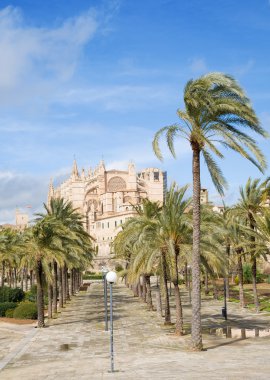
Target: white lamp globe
<point x="111" y="277"/>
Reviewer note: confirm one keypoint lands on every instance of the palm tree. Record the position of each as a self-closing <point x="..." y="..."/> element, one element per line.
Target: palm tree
<point x="216" y="111"/>
<point x="11" y="247"/>
<point x="44" y="243"/>
<point x="249" y="206"/>
<point x="76" y="247"/>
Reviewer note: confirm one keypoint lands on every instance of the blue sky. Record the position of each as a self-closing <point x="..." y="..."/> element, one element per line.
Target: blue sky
<point x="98" y="78"/>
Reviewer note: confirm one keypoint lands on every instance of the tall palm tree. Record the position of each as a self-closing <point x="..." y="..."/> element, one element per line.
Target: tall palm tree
<point x="216" y="112"/>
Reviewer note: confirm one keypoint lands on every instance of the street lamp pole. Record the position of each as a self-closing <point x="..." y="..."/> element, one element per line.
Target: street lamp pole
<point x="104" y="272"/>
<point x="189" y="283"/>
<point x="111" y="277"/>
<point x="224" y="309"/>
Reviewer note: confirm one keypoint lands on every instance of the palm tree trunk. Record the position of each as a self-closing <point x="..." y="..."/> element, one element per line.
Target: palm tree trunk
<point x="148" y="293"/>
<point x="135" y="289"/>
<point x="68" y="283"/>
<point x="3" y="274"/>
<point x="50" y="296"/>
<point x="206" y="287"/>
<point x="227" y="278"/>
<point x="72" y="286"/>
<point x="186" y="275"/>
<point x="254" y="284"/>
<point x="254" y="265"/>
<point x="144" y="290"/>
<point x="40" y="294"/>
<point x="31" y="278"/>
<point x="64" y="285"/>
<point x="22" y="277"/>
<point x="241" y="280"/>
<point x="61" y="303"/>
<point x="15" y="277"/>
<point x="178" y="304"/>
<point x="54" y="296"/>
<point x="166" y="292"/>
<point x="196" y="329"/>
<point x="26" y="278"/>
<point x="158" y="301"/>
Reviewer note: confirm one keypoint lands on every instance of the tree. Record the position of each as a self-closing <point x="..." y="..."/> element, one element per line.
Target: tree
<point x="216" y="112"/>
<point x="76" y="247"/>
<point x="249" y="206"/>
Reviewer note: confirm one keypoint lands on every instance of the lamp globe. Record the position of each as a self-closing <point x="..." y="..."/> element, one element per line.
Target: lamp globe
<point x="111" y="277"/>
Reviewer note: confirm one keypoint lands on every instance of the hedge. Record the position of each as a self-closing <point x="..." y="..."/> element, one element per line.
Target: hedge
<point x="4" y="306"/>
<point x="26" y="310"/>
<point x="11" y="295"/>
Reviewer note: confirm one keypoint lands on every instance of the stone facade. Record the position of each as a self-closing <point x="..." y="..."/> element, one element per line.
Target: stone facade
<point x="106" y="199"/>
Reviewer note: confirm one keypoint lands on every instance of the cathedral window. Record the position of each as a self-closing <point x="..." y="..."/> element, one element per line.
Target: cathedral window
<point x="116" y="184"/>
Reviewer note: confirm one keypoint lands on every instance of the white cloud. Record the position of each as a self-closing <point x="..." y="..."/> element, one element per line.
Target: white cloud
<point x="33" y="58"/>
<point x="20" y="190"/>
<point x="118" y="97"/>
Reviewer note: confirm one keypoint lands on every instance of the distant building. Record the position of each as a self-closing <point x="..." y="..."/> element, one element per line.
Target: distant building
<point x="204" y="196"/>
<point x="106" y="199"/>
<point x="21" y="220"/>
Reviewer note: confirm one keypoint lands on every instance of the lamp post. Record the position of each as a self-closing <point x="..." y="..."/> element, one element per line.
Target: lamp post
<point x="189" y="283"/>
<point x="104" y="271"/>
<point x="111" y="277"/>
<point x="224" y="309"/>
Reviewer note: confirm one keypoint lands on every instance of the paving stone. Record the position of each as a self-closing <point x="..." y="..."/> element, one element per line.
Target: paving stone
<point x="75" y="345"/>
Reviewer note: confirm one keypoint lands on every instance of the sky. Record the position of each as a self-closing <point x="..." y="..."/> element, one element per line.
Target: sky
<point x="95" y="79"/>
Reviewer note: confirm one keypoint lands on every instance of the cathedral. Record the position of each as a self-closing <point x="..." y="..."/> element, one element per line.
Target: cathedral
<point x="106" y="198"/>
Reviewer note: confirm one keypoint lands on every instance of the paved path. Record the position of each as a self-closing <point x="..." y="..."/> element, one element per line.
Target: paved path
<point x="75" y="346"/>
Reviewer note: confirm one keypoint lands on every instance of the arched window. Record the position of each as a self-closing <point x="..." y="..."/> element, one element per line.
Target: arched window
<point x="116" y="184"/>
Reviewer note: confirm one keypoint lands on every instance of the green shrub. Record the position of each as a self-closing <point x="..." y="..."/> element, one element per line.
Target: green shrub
<point x="260" y="278"/>
<point x="26" y="310"/>
<point x="9" y="313"/>
<point x="247" y="274"/>
<point x="11" y="295"/>
<point x="92" y="277"/>
<point x="4" y="306"/>
<point x="118" y="268"/>
<point x="31" y="295"/>
<point x="236" y="280"/>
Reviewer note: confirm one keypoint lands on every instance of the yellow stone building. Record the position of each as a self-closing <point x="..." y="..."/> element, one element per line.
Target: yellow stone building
<point x="106" y="199"/>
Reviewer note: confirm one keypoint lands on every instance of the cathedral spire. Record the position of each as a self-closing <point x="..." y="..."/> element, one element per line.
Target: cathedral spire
<point x="51" y="191"/>
<point x="75" y="172"/>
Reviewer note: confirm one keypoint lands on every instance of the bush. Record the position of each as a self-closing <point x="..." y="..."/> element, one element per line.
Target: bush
<point x="26" y="310"/>
<point x="31" y="295"/>
<point x="9" y="313"/>
<point x="11" y="295"/>
<point x="247" y="274"/>
<point x="92" y="276"/>
<point x="236" y="280"/>
<point x="4" y="306"/>
<point x="260" y="278"/>
<point x="118" y="268"/>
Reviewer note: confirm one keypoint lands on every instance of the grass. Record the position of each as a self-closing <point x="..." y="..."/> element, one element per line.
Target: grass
<point x="263" y="292"/>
